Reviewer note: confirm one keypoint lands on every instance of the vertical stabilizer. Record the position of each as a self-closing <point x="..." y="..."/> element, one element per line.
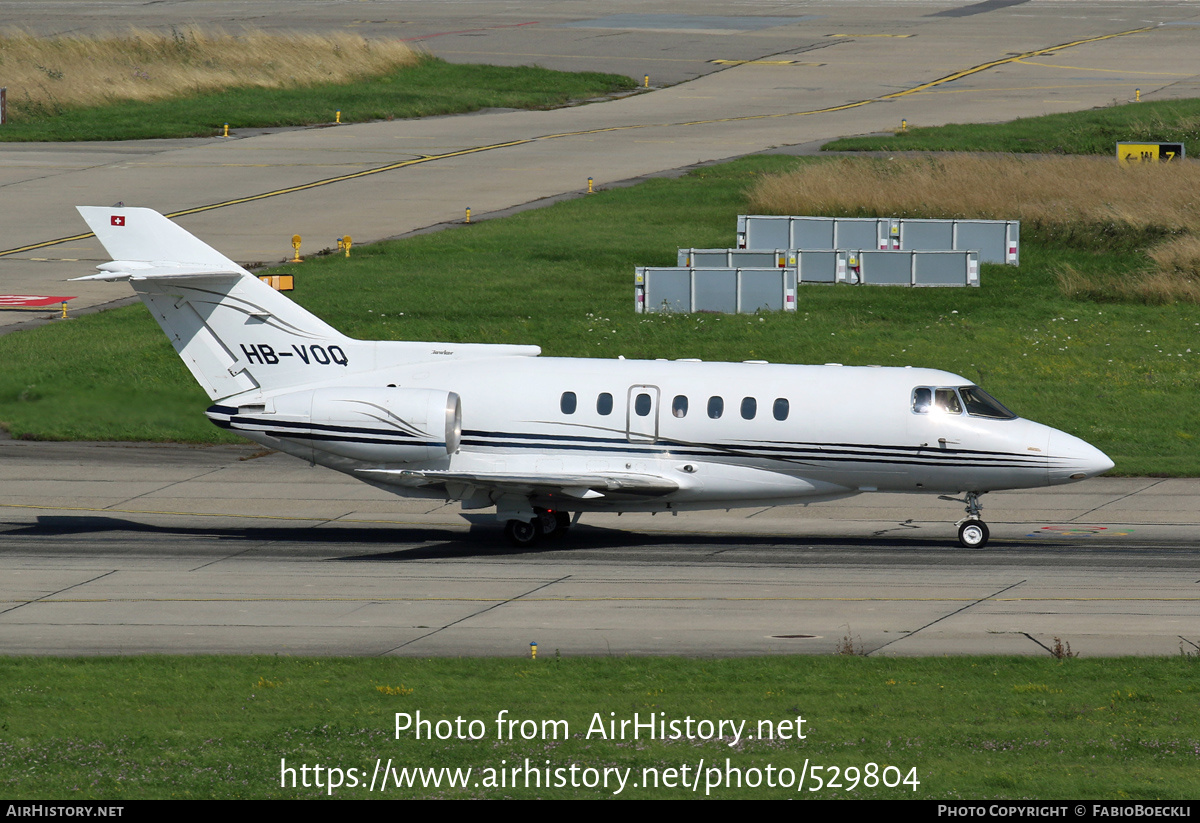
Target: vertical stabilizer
<point x="235" y="333"/>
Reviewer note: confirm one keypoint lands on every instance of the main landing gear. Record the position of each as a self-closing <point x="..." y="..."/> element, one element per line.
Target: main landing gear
<point x="545" y="523"/>
<point x="972" y="531"/>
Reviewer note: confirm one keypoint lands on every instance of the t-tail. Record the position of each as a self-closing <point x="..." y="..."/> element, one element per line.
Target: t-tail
<point x="236" y="334"/>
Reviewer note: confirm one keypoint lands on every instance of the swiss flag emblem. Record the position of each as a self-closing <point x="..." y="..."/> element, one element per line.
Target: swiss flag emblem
<point x="118" y="220"/>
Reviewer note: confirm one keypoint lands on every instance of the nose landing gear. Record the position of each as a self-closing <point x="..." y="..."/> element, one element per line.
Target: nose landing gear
<point x="972" y="534"/>
<point x="972" y="531"/>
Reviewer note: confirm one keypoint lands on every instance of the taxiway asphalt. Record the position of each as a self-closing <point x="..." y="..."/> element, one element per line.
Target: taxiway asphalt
<point x="130" y="549"/>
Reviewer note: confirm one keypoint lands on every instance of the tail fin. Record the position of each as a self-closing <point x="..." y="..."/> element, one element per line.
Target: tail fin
<point x="235" y="333"/>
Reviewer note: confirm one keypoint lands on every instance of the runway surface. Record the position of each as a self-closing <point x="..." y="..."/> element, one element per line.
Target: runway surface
<point x="134" y="549"/>
<point x="119" y="549"/>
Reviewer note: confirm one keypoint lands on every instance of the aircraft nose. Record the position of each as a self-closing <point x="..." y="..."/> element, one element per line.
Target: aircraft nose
<point x="1073" y="459"/>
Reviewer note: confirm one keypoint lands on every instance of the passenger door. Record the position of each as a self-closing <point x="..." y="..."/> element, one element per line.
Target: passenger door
<point x="641" y="414"/>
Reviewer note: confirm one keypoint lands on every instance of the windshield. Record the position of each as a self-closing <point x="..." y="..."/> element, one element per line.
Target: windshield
<point x="974" y="400"/>
<point x="981" y="404"/>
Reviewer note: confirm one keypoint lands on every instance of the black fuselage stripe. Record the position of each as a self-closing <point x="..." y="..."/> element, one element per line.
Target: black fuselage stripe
<point x="872" y="448"/>
<point x="794" y="453"/>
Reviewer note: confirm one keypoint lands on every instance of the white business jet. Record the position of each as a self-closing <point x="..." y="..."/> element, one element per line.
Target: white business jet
<point x="540" y="438"/>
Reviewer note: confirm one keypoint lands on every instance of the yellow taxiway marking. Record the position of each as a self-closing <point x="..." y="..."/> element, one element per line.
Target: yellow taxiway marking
<point x="1034" y="88"/>
<point x="958" y="75"/>
<point x="1109" y="71"/>
<point x="870" y="35"/>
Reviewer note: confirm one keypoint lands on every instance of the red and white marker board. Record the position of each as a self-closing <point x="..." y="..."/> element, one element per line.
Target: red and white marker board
<point x="29" y="301"/>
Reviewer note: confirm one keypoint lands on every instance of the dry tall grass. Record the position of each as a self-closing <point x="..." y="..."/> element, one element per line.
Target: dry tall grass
<point x="1058" y="195"/>
<point x="1150" y="286"/>
<point x="1039" y="190"/>
<point x="45" y="73"/>
<point x="1175" y="277"/>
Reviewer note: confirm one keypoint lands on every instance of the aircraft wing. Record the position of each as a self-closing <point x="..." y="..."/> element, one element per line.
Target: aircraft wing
<point x="580" y="486"/>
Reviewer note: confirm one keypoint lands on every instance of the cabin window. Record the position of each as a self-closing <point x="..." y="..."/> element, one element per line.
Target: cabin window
<point x="780" y="409"/>
<point x="604" y="403"/>
<point x="981" y="404"/>
<point x="749" y="408"/>
<point x="716" y="407"/>
<point x="568" y="402"/>
<point x="679" y="406"/>
<point x="642" y="404"/>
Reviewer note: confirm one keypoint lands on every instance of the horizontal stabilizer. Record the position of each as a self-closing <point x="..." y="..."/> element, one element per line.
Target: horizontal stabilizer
<point x="133" y="270"/>
<point x="137" y="235"/>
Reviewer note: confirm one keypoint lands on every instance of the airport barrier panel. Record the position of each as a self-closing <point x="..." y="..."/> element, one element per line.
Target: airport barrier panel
<point x="912" y="268"/>
<point x="786" y="232"/>
<point x="822" y="266"/>
<point x="997" y="241"/>
<point x="725" y="290"/>
<point x="732" y="258"/>
<point x="941" y="268"/>
<point x="896" y="268"/>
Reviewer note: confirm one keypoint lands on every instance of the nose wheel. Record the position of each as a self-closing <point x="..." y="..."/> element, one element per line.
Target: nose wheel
<point x="972" y="531"/>
<point x="973" y="534"/>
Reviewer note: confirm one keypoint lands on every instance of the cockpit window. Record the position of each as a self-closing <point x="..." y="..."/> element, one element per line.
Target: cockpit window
<point x="922" y="400"/>
<point x="926" y="399"/>
<point x="978" y="403"/>
<point x="946" y="400"/>
<point x="981" y="404"/>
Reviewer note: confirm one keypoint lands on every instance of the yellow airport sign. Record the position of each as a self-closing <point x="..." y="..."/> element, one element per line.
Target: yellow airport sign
<point x="1129" y="153"/>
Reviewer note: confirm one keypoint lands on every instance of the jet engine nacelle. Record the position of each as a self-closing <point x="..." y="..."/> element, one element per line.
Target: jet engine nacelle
<point x="380" y="425"/>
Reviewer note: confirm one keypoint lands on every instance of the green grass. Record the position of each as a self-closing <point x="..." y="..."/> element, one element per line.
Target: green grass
<point x="432" y="87"/>
<point x="179" y="727"/>
<point x="1090" y="132"/>
<point x="1121" y="375"/>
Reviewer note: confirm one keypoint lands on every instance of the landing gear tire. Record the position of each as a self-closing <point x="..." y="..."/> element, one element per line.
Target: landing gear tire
<point x="554" y="523"/>
<point x="973" y="534"/>
<point x="522" y="534"/>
